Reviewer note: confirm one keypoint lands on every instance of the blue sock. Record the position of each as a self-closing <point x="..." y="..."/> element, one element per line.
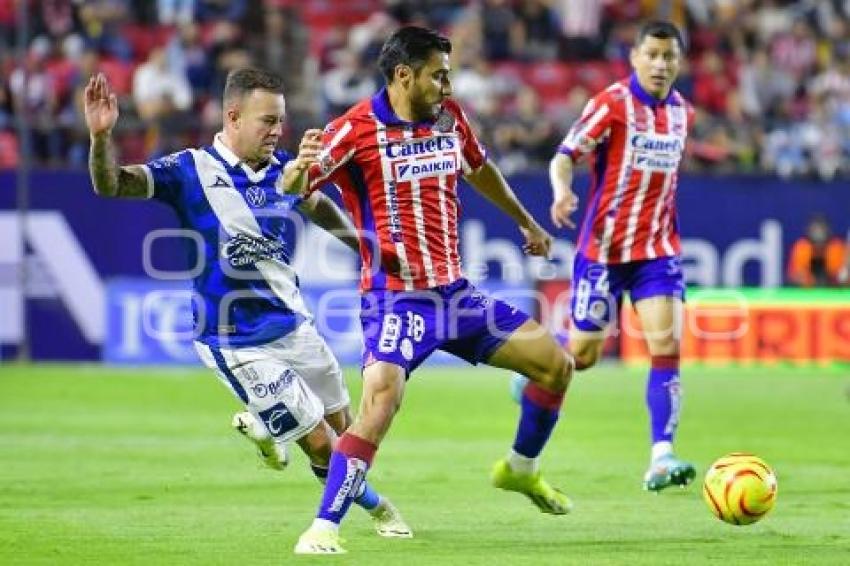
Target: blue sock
<point x="663" y="397"/>
<point x="350" y="461"/>
<point x="368" y="498"/>
<point x="537" y="418"/>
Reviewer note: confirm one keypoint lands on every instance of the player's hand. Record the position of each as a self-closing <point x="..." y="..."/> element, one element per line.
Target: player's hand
<point x="537" y="241"/>
<point x="562" y="208"/>
<point x="309" y="149"/>
<point x="101" y="106"/>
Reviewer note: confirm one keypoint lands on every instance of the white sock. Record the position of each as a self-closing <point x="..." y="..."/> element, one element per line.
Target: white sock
<point x="522" y="464"/>
<point x="325" y="525"/>
<point x="661" y="449"/>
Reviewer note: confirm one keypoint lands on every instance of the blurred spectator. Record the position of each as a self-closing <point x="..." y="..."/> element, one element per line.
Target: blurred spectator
<point x="349" y="82"/>
<point x="581" y="26"/>
<point x="57" y="17"/>
<point x="170" y="12"/>
<point x="500" y="30"/>
<point x="795" y="51"/>
<point x="538" y="31"/>
<point x="158" y="91"/>
<point x="162" y="99"/>
<point x="817" y="258"/>
<point x="763" y="87"/>
<point x="220" y="10"/>
<point x="525" y="138"/>
<point x="100" y="25"/>
<point x="188" y="58"/>
<point x="34" y="95"/>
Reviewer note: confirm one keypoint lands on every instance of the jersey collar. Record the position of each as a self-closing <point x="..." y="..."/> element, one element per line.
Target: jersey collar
<point x="384" y="112"/>
<point x="648" y="99"/>
<point x="231" y="158"/>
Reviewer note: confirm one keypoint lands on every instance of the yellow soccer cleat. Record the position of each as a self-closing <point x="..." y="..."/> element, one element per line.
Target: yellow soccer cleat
<point x="272" y="455"/>
<point x="389" y="522"/>
<point x="319" y="541"/>
<point x="544" y="496"/>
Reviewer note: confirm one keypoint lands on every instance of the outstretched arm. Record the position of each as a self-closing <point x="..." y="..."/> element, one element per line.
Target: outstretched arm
<point x="295" y="172"/>
<point x="488" y="181"/>
<point x="108" y="178"/>
<point x="564" y="200"/>
<point x="327" y="215"/>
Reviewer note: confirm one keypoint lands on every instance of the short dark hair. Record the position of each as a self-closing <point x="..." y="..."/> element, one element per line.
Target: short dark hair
<point x="410" y="45"/>
<point x="244" y="80"/>
<point x="660" y="30"/>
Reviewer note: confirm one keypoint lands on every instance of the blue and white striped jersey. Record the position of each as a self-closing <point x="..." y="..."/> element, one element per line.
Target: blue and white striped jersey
<point x="246" y="292"/>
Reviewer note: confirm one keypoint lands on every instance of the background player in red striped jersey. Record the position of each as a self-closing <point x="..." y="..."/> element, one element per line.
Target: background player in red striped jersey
<point x="396" y="158"/>
<point x="634" y="134"/>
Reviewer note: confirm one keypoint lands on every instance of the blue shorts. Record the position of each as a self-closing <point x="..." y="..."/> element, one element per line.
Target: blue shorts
<point x="405" y="327"/>
<point x="597" y="288"/>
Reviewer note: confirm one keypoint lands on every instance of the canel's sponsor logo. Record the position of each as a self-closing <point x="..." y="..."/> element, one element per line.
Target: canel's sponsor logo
<point x="657" y="143"/>
<point x="415" y="147"/>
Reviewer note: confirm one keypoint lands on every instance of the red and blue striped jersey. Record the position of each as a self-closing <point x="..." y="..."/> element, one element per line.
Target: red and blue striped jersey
<point x="399" y="182"/>
<point x="635" y="143"/>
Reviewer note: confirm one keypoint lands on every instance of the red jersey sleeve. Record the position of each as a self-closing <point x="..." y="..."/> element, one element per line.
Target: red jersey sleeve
<point x="474" y="154"/>
<point x="591" y="129"/>
<point x="337" y="149"/>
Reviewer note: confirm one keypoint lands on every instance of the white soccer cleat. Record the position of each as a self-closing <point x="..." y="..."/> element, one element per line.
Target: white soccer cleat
<point x="388" y="521"/>
<point x="319" y="541"/>
<point x="274" y="456"/>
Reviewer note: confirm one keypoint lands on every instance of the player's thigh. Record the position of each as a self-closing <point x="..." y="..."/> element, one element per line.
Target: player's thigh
<point x="661" y="320"/>
<point x="532" y="351"/>
<point x="269" y="387"/>
<point x="308" y="353"/>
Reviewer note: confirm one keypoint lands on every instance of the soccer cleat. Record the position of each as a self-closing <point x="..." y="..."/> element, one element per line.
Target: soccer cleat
<point x="319" y="541"/>
<point x="274" y="456"/>
<point x="666" y="471"/>
<point x="544" y="496"/>
<point x="389" y="522"/>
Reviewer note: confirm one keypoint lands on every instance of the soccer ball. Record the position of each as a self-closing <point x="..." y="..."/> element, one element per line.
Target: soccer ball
<point x="739" y="488"/>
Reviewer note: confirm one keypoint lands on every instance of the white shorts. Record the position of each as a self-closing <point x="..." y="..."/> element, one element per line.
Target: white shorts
<point x="289" y="384"/>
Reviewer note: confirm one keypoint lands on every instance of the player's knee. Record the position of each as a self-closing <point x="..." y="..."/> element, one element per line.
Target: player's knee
<point x="585" y="359"/>
<point x="555" y="374"/>
<point x="663" y="347"/>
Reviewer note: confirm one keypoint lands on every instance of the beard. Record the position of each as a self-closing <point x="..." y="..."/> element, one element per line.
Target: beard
<point x="424" y="109"/>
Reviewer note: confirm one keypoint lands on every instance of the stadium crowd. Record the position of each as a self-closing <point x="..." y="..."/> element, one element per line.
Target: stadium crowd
<point x="770" y="79"/>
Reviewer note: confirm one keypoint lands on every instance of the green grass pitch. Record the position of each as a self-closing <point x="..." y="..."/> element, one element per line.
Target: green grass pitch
<point x="112" y="466"/>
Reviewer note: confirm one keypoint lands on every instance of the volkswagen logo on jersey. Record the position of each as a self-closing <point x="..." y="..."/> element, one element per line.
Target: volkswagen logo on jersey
<point x="255" y="196"/>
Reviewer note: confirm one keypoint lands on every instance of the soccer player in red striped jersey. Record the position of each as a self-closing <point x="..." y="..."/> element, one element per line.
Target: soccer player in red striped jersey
<point x="633" y="135"/>
<point x="397" y="158"/>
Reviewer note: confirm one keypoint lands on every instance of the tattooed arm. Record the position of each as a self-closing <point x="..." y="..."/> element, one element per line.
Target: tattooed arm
<point x="108" y="178"/>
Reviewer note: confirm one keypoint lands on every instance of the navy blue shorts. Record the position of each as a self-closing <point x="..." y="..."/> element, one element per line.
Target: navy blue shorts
<point x="597" y="288"/>
<point x="405" y="327"/>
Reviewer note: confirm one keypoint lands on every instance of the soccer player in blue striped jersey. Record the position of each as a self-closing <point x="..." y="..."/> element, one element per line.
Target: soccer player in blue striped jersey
<point x="251" y="325"/>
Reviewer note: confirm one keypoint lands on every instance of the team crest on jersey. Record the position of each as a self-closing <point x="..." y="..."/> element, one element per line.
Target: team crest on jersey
<point x="445" y="121"/>
<point x="327" y="163"/>
<point x="256" y="196"/>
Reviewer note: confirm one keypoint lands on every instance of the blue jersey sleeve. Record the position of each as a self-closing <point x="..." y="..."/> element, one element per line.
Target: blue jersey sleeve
<point x="285" y="157"/>
<point x="168" y="175"/>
